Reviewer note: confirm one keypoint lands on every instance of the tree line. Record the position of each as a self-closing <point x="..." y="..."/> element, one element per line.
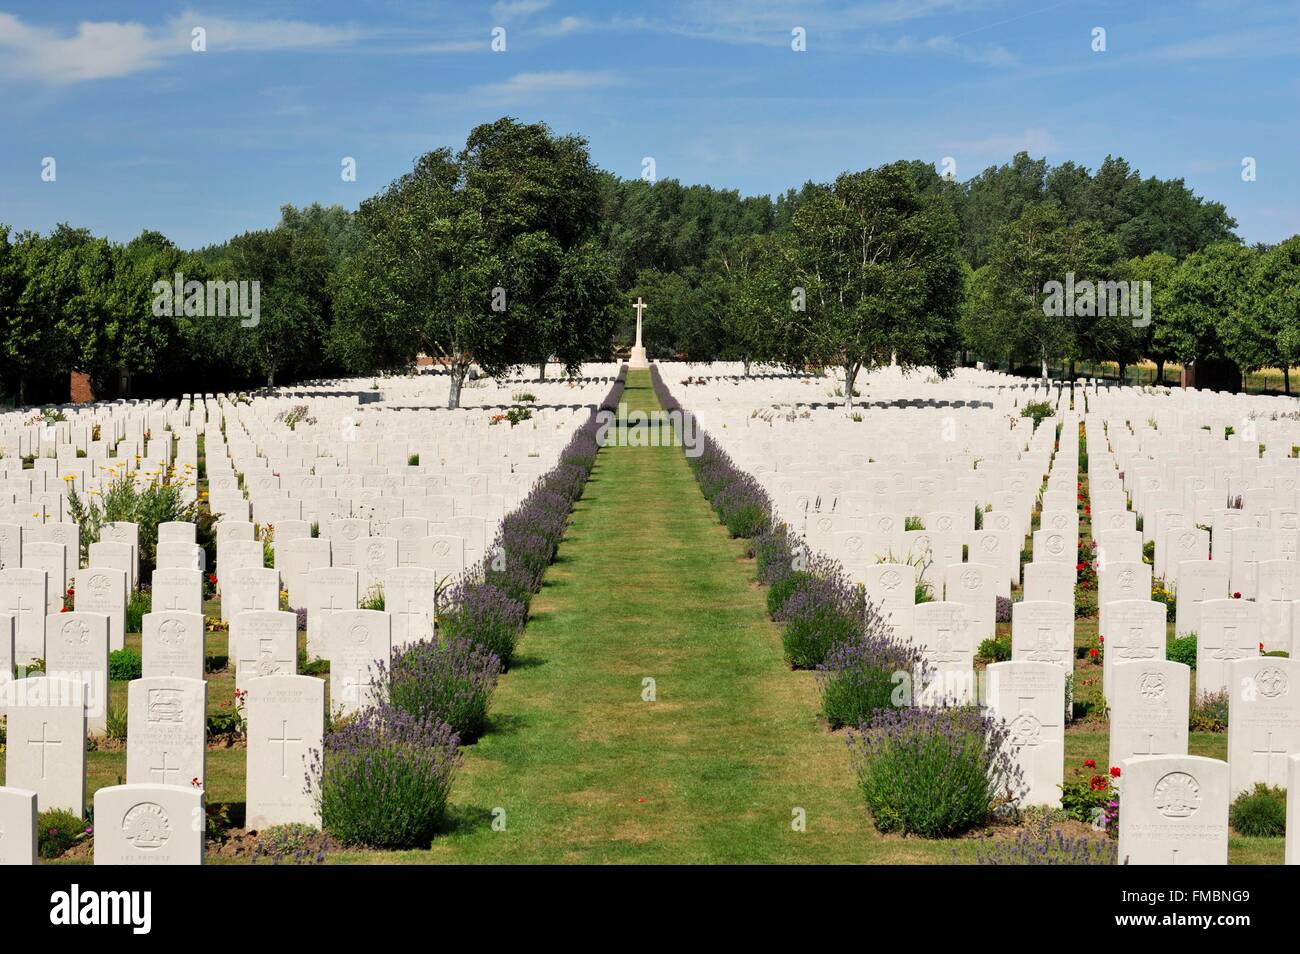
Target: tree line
<point x="516" y="249"/>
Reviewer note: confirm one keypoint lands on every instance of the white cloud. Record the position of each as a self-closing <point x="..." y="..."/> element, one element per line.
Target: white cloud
<point x="511" y="9"/>
<point x="532" y="84"/>
<point x="110" y="49"/>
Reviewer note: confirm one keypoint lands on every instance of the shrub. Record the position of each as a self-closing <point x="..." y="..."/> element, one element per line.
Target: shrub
<point x="1038" y="410"/>
<point x="783" y="589"/>
<point x="913" y="522"/>
<point x="451" y="682"/>
<point x="1044" y="844"/>
<point x="934" y="771"/>
<point x="1259" y="813"/>
<point x="1183" y="650"/>
<point x="383" y="779"/>
<point x="744" y="507"/>
<point x="1209" y="712"/>
<point x="146" y="505"/>
<point x="774" y="554"/>
<point x="1002" y="612"/>
<point x="995" y="650"/>
<point x="486" y="616"/>
<point x="124" y="665"/>
<point x="57" y="831"/>
<point x="413" y="460"/>
<point x="819" y="615"/>
<point x="295" y="843"/>
<point x="859" y="676"/>
<point x="141" y="602"/>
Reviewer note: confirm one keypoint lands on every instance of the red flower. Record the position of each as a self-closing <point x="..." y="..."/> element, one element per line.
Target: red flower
<point x="1101" y="639"/>
<point x="212" y="578"/>
<point x="1236" y="596"/>
<point x="1092" y="653"/>
<point x="1089" y="763"/>
<point x="1114" y="771"/>
<point x="1261" y="647"/>
<point x="1098" y="784"/>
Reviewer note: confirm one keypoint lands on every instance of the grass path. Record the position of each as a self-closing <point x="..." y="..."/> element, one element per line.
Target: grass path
<point x="648" y="585"/>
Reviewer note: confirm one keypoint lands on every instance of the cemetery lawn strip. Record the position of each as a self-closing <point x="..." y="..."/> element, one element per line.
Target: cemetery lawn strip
<point x="647" y="584"/>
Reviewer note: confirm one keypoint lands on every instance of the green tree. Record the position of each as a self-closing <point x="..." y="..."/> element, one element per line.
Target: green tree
<point x="1204" y="291"/>
<point x="1031" y="259"/>
<point x="876" y="267"/>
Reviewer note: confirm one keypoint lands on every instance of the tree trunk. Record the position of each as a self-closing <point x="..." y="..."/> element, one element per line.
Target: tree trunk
<point x="1286" y="380"/>
<point x="746" y="364"/>
<point x="270" y="378"/>
<point x="457" y="379"/>
<point x="1160" y="371"/>
<point x="1121" y="372"/>
<point x="541" y="371"/>
<point x="850" y="373"/>
<point x="1043" y="358"/>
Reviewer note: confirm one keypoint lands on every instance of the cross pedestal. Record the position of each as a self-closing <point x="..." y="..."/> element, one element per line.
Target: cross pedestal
<point x="638" y="359"/>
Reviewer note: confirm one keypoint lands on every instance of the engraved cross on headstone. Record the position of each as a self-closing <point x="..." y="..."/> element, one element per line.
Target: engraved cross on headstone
<point x="283" y="741"/>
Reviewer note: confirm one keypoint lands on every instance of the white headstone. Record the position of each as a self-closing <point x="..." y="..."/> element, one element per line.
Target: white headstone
<point x="1030" y="698"/>
<point x="149" y="825"/>
<point x="943" y="631"/>
<point x="1263" y="720"/>
<point x="1043" y="631"/>
<point x="410" y="596"/>
<point x="76" y="648"/>
<point x="18" y="840"/>
<point x="167" y="731"/>
<point x="1229" y="631"/>
<point x="178" y="591"/>
<point x="23" y="595"/>
<point x="1175" y="811"/>
<point x="286" y="722"/>
<point x="249" y="588"/>
<point x="263" y="643"/>
<point x="103" y="590"/>
<point x="356" y="641"/>
<point x="172" y="644"/>
<point x="46" y="744"/>
<point x="1149" y="703"/>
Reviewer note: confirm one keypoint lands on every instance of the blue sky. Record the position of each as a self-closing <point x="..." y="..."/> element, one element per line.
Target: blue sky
<point x="148" y="133"/>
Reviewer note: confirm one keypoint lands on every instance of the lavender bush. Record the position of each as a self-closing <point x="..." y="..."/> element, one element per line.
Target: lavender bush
<point x="744" y="507"/>
<point x="447" y="681"/>
<point x="383" y="779"/>
<point x="859" y="676"/>
<point x="821" y="613"/>
<point x="1043" y="844"/>
<point x="774" y="553"/>
<point x="486" y="616"/>
<point x="935" y="771"/>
